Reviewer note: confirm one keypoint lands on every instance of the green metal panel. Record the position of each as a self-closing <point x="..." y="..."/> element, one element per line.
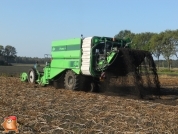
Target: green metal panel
<point x="65" y="63"/>
<point x="55" y="71"/>
<point x="66" y="54"/>
<point x="70" y="48"/>
<point x="110" y="57"/>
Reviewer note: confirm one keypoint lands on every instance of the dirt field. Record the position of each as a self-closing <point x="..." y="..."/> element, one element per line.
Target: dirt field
<point x="47" y="110"/>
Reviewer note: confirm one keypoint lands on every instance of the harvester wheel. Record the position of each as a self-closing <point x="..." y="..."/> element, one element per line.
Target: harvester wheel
<point x="32" y="76"/>
<point x="71" y="80"/>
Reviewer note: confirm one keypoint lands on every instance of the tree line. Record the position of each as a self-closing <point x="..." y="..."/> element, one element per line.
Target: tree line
<point x="163" y="44"/>
<point x="30" y="60"/>
<point x="7" y="53"/>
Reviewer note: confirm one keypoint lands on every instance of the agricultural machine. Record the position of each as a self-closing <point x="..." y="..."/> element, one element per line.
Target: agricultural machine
<point x="85" y="63"/>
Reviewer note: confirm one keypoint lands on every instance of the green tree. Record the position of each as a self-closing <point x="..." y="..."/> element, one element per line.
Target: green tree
<point x="125" y="34"/>
<point x="1" y="50"/>
<point x="9" y="52"/>
<point x="141" y="41"/>
<point x="156" y="45"/>
<point x="1" y="53"/>
<point x="169" y="45"/>
<point x="175" y="33"/>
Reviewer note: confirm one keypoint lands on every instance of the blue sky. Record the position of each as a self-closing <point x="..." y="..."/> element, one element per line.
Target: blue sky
<point x="31" y="25"/>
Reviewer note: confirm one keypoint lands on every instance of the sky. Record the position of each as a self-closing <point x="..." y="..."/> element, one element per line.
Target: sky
<point x="31" y="25"/>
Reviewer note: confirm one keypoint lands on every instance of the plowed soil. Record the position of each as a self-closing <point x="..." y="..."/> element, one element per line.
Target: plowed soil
<point x="47" y="110"/>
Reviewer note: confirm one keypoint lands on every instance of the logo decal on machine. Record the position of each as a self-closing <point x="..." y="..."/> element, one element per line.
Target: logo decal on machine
<point x="66" y="47"/>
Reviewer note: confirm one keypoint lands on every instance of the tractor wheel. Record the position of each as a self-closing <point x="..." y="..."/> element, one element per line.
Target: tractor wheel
<point x="71" y="80"/>
<point x="24" y="77"/>
<point x="32" y="76"/>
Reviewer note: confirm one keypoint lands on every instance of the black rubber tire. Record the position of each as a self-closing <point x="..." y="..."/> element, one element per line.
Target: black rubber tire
<point x="71" y="80"/>
<point x="32" y="76"/>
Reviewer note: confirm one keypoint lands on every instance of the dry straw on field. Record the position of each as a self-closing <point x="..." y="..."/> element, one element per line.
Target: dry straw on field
<point x="46" y="110"/>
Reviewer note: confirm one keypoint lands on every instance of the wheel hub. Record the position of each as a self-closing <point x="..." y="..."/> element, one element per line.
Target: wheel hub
<point x="70" y="81"/>
<point x="31" y="76"/>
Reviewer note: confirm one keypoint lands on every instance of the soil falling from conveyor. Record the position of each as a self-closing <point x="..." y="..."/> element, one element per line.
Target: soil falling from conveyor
<point x="133" y="72"/>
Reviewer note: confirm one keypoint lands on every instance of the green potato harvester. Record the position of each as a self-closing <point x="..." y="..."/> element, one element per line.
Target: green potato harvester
<point x="84" y="63"/>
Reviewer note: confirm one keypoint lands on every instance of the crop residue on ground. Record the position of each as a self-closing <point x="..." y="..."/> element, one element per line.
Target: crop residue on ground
<point x="63" y="111"/>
